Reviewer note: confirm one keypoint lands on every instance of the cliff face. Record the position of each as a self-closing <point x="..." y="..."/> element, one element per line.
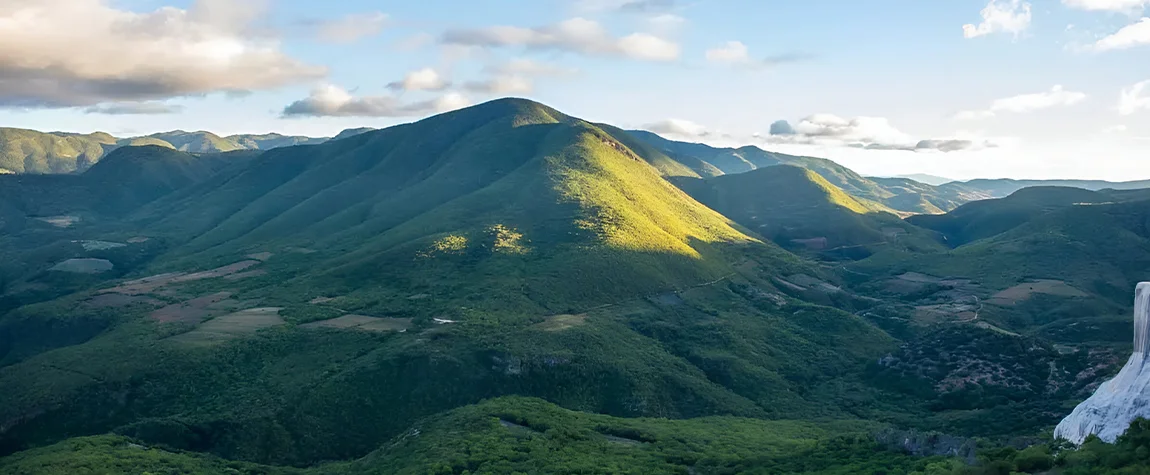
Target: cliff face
<point x="1109" y="411"/>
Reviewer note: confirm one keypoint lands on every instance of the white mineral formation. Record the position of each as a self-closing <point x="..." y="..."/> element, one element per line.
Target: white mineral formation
<point x="1109" y="411"/>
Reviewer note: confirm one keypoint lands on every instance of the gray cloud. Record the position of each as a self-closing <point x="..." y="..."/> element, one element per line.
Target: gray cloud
<point x="134" y="108"/>
<point x="782" y="127"/>
<point x="332" y="101"/>
<point x="84" y="53"/>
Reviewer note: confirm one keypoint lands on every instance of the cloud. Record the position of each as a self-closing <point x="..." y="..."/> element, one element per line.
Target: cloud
<point x="1115" y="129"/>
<point x="677" y="128"/>
<point x="736" y="53"/>
<point x="1000" y="16"/>
<point x="1132" y="99"/>
<point x="1056" y="97"/>
<point x="1136" y="34"/>
<point x="425" y="79"/>
<point x="351" y="28"/>
<point x="782" y="127"/>
<point x="870" y="133"/>
<point x="501" y="85"/>
<point x="1122" y="6"/>
<point x="576" y="35"/>
<point x="134" y="108"/>
<point x="67" y="53"/>
<point x="333" y="101"/>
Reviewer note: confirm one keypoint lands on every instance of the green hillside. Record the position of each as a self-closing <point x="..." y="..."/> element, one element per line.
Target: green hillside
<point x="986" y="218"/>
<point x="500" y="249"/>
<point x="29" y="151"/>
<point x="800" y="210"/>
<point x="901" y="194"/>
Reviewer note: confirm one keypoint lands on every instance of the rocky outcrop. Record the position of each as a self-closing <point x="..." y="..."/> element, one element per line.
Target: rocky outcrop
<point x="1117" y="402"/>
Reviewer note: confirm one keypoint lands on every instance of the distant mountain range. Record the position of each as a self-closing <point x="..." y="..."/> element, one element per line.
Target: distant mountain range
<point x="25" y="151"/>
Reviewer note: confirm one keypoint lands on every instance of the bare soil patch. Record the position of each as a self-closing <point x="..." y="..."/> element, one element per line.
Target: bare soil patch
<point x="84" y="266"/>
<point x="99" y="245"/>
<point x="191" y="311"/>
<point x="232" y="326"/>
<point x="246" y="274"/>
<point x="120" y="300"/>
<point x="60" y="221"/>
<point x="917" y="277"/>
<point x="319" y="300"/>
<point x="153" y="283"/>
<point x="217" y="272"/>
<point x="363" y="322"/>
<point x="555" y="323"/>
<point x="1024" y="291"/>
<point x="260" y="256"/>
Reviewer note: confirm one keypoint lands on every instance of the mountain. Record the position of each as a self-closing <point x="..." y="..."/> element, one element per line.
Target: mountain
<point x="933" y="180"/>
<point x="345" y="133"/>
<point x="313" y="303"/>
<point x="29" y="151"/>
<point x="986" y="218"/>
<point x="901" y="194"/>
<point x="1001" y="187"/>
<point x="800" y="210"/>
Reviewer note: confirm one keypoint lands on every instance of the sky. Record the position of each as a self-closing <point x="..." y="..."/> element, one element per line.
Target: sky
<point x="957" y="88"/>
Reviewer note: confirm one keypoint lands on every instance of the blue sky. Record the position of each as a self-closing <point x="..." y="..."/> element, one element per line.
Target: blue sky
<point x="1030" y="89"/>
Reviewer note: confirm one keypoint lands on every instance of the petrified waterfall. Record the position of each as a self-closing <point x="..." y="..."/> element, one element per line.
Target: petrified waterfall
<point x="1109" y="411"/>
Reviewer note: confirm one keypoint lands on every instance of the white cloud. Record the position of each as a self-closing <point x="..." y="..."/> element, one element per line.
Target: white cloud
<point x="425" y="79"/>
<point x="735" y="53"/>
<point x="1134" y="98"/>
<point x="859" y="129"/>
<point x="648" y="47"/>
<point x="333" y="101"/>
<point x="351" y="28"/>
<point x="732" y="52"/>
<point x="1056" y="97"/>
<point x="1136" y="34"/>
<point x="1000" y="16"/>
<point x="677" y="128"/>
<point x="827" y="130"/>
<point x="1115" y="129"/>
<point x="134" y="108"/>
<point x="578" y="35"/>
<point x="65" y="53"/>
<point x="1108" y="5"/>
<point x="501" y="85"/>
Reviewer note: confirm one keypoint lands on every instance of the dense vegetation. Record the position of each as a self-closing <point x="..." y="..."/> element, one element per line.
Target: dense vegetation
<point x="507" y="289"/>
<point x="33" y="152"/>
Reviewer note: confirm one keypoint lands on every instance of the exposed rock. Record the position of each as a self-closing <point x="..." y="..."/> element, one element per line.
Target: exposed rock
<point x="1109" y="411"/>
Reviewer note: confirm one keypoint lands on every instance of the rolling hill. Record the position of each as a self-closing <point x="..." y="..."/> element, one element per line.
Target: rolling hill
<point x="313" y="302"/>
<point x="32" y="152"/>
<point x="800" y="210"/>
<point x="901" y="194"/>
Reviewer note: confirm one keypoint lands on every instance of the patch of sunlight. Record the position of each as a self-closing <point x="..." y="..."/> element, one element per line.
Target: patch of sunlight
<point x="506" y="240"/>
<point x="451" y="244"/>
